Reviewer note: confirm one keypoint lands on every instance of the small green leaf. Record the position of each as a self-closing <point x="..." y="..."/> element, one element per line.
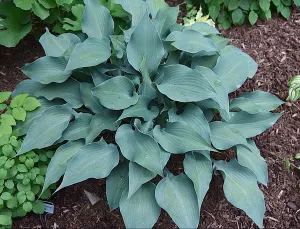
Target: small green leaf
<point x="6" y="196"/>
<point x="285" y="12"/>
<point x="19" y="113"/>
<point x="31" y="104"/>
<point x="4" y="96"/>
<point x="27" y="206"/>
<point x="40" y="11"/>
<point x="233" y="4"/>
<point x="12" y="203"/>
<point x="297" y="156"/>
<point x="18" y="100"/>
<point x="75" y="25"/>
<point x="38" y="207"/>
<point x="8" y="119"/>
<point x="264" y="4"/>
<point x="5" y="220"/>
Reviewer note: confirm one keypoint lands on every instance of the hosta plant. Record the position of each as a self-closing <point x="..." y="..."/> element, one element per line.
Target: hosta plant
<point x="21" y="177"/>
<point x="120" y="106"/>
<point x="294" y="90"/>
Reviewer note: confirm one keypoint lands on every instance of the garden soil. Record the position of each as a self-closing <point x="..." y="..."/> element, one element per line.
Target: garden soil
<point x="275" y="45"/>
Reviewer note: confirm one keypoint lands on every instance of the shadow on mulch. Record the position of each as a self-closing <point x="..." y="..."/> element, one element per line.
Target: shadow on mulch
<point x="275" y="45"/>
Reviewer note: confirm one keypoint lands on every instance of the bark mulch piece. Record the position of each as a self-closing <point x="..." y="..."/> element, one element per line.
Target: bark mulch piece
<point x="275" y="45"/>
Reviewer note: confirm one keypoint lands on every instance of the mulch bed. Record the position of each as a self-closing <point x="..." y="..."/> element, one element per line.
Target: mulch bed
<point x="275" y="45"/>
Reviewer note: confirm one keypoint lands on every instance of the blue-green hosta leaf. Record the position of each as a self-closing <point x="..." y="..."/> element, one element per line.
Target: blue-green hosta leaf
<point x="140" y="148"/>
<point x="204" y="28"/>
<point x="117" y="93"/>
<point x="223" y="137"/>
<point x="59" y="162"/>
<point x="47" y="128"/>
<point x="184" y="84"/>
<point x="141" y="109"/>
<point x="155" y="5"/>
<point x="95" y="160"/>
<point x="88" y="99"/>
<point x="145" y="45"/>
<point x="47" y="70"/>
<point x="97" y="21"/>
<point x="106" y="120"/>
<point x="255" y="102"/>
<point x="232" y="68"/>
<point x="164" y="19"/>
<point x="138" y="176"/>
<point x="136" y="8"/>
<point x="141" y="209"/>
<point x="179" y="138"/>
<point x="252" y="65"/>
<point x="78" y="129"/>
<point x="250" y="125"/>
<point x="27" y="87"/>
<point x="205" y="61"/>
<point x="68" y="91"/>
<point x="116" y="183"/>
<point x="221" y="97"/>
<point x="193" y="116"/>
<point x="177" y="196"/>
<point x="91" y="52"/>
<point x="199" y="169"/>
<point x="56" y="46"/>
<point x="219" y="41"/>
<point x="253" y="161"/>
<point x="191" y="41"/>
<point x="31" y="116"/>
<point x="242" y="191"/>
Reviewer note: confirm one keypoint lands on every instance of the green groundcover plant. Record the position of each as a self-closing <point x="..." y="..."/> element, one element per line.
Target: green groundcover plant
<point x="294" y="90"/>
<point x="235" y="12"/>
<point x="19" y="17"/>
<point x="119" y="106"/>
<point x="21" y="177"/>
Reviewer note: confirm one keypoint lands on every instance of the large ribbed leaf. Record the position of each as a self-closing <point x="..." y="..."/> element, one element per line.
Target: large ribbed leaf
<point x="223" y="137"/>
<point x="68" y="91"/>
<point x="199" y="169"/>
<point x="78" y="129"/>
<point x="184" y="84"/>
<point x="47" y="70"/>
<point x="31" y="116"/>
<point x="145" y="45"/>
<point x="165" y="18"/>
<point x="141" y="109"/>
<point x="204" y="28"/>
<point x="140" y="148"/>
<point x="191" y="41"/>
<point x="211" y="105"/>
<point x="136" y="8"/>
<point x="116" y="183"/>
<point x="177" y="196"/>
<point x="138" y="176"/>
<point x="60" y="161"/>
<point x="242" y="191"/>
<point x="141" y="209"/>
<point x="250" y="125"/>
<point x="106" y="120"/>
<point x="95" y="160"/>
<point x="255" y="102"/>
<point x="193" y="116"/>
<point x="57" y="45"/>
<point x="47" y="128"/>
<point x="252" y="65"/>
<point x="97" y="21"/>
<point x="253" y="161"/>
<point x="88" y="99"/>
<point x="91" y="52"/>
<point x="232" y="68"/>
<point x="221" y="94"/>
<point x="179" y="138"/>
<point x="116" y="93"/>
<point x="27" y="87"/>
